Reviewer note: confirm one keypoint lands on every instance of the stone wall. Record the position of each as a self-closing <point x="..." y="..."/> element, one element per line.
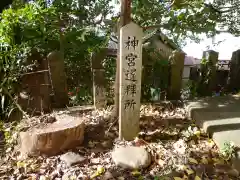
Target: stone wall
<point x="35" y="95"/>
<point x="58" y="79"/>
<point x="47" y="78"/>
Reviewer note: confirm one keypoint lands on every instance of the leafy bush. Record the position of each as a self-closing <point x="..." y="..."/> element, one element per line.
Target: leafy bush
<point x="33" y="26"/>
<point x="155" y="75"/>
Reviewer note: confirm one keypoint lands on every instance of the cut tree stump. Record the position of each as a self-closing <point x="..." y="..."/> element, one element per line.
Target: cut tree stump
<point x="52" y="139"/>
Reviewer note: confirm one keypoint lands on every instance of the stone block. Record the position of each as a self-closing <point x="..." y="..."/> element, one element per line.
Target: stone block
<point x="208" y="69"/>
<point x="234" y="73"/>
<point x="99" y="88"/>
<point x="177" y="65"/>
<point x="131" y="157"/>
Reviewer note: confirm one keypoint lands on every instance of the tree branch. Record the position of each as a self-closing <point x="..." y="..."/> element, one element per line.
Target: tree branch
<point x="156" y="26"/>
<point x="220" y="9"/>
<point x="99" y="21"/>
<point x="114" y="40"/>
<point x="173" y="2"/>
<point x="229" y="7"/>
<point x="223" y="31"/>
<point x="152" y="27"/>
<point x="228" y="10"/>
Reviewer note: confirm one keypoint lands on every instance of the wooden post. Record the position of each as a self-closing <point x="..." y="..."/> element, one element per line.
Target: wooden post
<point x="130" y="80"/>
<point x="99" y="89"/>
<point x="125" y="18"/>
<point x="177" y="65"/>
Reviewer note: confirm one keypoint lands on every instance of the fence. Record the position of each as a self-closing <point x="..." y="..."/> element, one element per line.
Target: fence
<point x="226" y="74"/>
<point x="163" y="80"/>
<point x="222" y="73"/>
<point x="159" y="78"/>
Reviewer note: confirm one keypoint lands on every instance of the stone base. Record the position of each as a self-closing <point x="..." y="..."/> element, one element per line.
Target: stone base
<point x="52" y="139"/>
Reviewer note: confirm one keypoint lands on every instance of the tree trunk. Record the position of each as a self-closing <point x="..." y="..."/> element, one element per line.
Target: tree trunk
<point x="125" y="18"/>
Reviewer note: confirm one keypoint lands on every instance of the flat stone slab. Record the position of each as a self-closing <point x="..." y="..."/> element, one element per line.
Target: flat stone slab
<point x="229" y="135"/>
<point x="220" y="117"/>
<point x="214" y="121"/>
<point x="131" y="157"/>
<point x="51" y="139"/>
<point x="230" y="103"/>
<point x="216" y="114"/>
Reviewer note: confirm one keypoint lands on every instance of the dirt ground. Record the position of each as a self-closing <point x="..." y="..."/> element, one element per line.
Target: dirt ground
<point x="179" y="149"/>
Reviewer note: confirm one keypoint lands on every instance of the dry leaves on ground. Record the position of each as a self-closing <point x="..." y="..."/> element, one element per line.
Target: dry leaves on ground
<point x="179" y="150"/>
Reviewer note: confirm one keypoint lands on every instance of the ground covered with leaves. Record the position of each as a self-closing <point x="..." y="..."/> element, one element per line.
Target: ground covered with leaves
<point x="178" y="148"/>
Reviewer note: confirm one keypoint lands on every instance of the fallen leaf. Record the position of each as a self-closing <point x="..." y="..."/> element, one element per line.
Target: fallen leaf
<point x="136" y="173"/>
<point x="139" y="142"/>
<point x="204" y="160"/>
<point x="192" y="160"/>
<point x="177" y="178"/>
<point x="73" y="177"/>
<point x="106" y="144"/>
<point x="95" y="160"/>
<point x="21" y="164"/>
<point x="211" y="143"/>
<point x="181" y="167"/>
<point x="91" y="144"/>
<point x="100" y="171"/>
<point x="160" y="162"/>
<point x="197" y="178"/>
<point x="44" y="178"/>
<point x="218" y="161"/>
<point x="33" y="177"/>
<point x="197" y="133"/>
<point x="140" y="178"/>
<point x="148" y="138"/>
<point x="121" y="178"/>
<point x="110" y="134"/>
<point x="180" y="146"/>
<point x="8" y="150"/>
<point x="189" y="171"/>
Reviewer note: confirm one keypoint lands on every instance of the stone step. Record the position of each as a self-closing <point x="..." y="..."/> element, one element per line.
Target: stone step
<point x="220" y="117"/>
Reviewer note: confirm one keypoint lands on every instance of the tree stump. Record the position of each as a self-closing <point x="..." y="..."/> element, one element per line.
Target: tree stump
<point x="53" y="138"/>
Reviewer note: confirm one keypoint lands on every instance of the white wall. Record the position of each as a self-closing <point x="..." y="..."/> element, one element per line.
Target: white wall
<point x="186" y="72"/>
